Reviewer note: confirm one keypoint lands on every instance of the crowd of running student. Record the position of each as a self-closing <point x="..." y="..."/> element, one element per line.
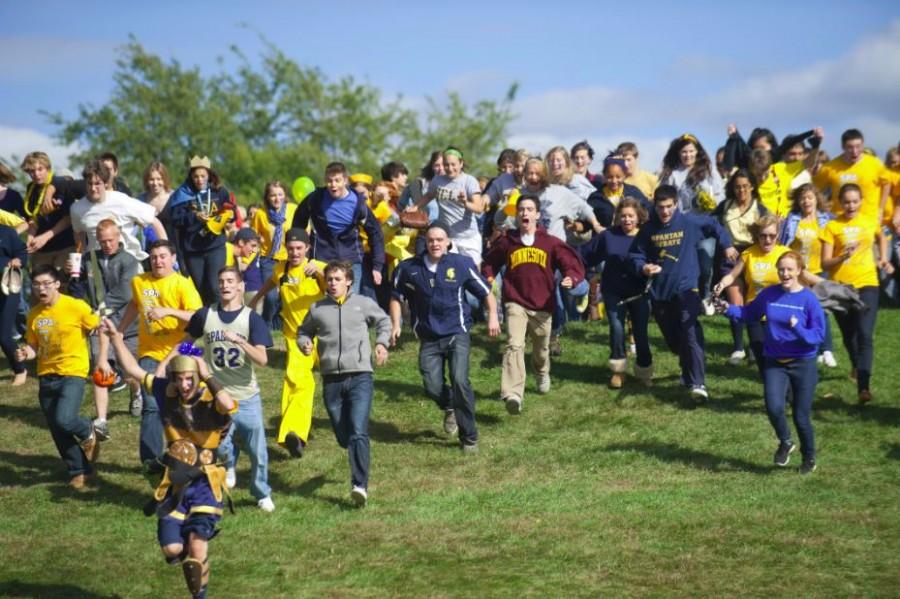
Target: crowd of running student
<point x="174" y="293"/>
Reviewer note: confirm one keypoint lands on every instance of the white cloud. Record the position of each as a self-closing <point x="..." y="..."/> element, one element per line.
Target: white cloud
<point x="67" y="58"/>
<point x="861" y="89"/>
<point x="16" y="142"/>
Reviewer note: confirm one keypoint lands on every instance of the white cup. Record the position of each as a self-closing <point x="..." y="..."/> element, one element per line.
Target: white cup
<point x="75" y="261"/>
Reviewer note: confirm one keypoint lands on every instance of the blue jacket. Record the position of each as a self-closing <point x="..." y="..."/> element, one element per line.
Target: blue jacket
<point x="792" y="223"/>
<point x="191" y="233"/>
<point x="777" y="306"/>
<point x="673" y="246"/>
<point x="604" y="209"/>
<point x="437" y="300"/>
<point x="611" y="247"/>
<point x="347" y="244"/>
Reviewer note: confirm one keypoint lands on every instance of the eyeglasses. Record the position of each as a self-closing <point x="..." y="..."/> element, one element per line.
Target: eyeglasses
<point x="44" y="284"/>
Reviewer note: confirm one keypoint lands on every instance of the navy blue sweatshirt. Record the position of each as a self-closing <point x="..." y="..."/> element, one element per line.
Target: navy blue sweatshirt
<point x="436" y="299"/>
<point x="777" y="305"/>
<point x="673" y="246"/>
<point x="11" y="246"/>
<point x="618" y="277"/>
<point x="346" y="245"/>
<point x="604" y="209"/>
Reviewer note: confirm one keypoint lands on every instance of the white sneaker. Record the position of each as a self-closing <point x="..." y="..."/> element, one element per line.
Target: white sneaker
<point x="359" y="496"/>
<point x="230" y="478"/>
<point x="829" y="360"/>
<point x="699" y="393"/>
<point x="737" y="357"/>
<point x="266" y="504"/>
<point x="513" y="404"/>
<point x="544" y="383"/>
<point x="709" y="308"/>
<point x="632" y="349"/>
<point x="820" y="360"/>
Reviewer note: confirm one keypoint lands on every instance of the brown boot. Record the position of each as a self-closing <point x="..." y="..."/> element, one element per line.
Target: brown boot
<point x="618" y="368"/>
<point x="91" y="446"/>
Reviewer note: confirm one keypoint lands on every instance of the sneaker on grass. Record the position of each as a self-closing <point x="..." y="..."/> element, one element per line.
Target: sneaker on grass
<point x="266" y="504"/>
<point x="359" y="496"/>
<point x="450" y="426"/>
<point x="783" y="453"/>
<point x="513" y="404"/>
<point x="737" y="357"/>
<point x="543" y="383"/>
<point x="101" y="427"/>
<point x="230" y="478"/>
<point x="699" y="393"/>
<point x="808" y="466"/>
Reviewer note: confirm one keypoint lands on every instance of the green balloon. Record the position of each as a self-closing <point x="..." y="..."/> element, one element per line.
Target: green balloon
<point x="302" y="187"/>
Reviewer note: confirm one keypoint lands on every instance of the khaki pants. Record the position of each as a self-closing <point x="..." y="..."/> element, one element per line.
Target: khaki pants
<point x="520" y="321"/>
<point x="57" y="259"/>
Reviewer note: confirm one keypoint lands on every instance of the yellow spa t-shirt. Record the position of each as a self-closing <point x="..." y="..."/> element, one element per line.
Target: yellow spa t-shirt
<point x="59" y="335"/>
<point x="156" y="339"/>
<point x="266" y="230"/>
<point x="298" y="293"/>
<point x="759" y="269"/>
<point x="860" y="270"/>
<point x="869" y="173"/>
<point x="775" y="190"/>
<point x="807" y="243"/>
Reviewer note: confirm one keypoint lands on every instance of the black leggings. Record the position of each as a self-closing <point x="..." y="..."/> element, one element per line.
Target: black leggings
<point x="204" y="270"/>
<point x="858" y="330"/>
<point x="9" y="306"/>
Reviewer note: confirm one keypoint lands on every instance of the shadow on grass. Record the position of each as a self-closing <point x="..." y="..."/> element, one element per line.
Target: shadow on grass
<point x="893" y="451"/>
<point x="670" y="452"/>
<point x="31" y="416"/>
<point x="883" y="415"/>
<point x="310" y="490"/>
<point x="18" y="588"/>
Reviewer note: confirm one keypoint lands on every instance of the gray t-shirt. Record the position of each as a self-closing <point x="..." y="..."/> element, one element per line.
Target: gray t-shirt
<point x="459" y="220"/>
<point x="581" y="186"/>
<point x="558" y="204"/>
<point x="502" y="183"/>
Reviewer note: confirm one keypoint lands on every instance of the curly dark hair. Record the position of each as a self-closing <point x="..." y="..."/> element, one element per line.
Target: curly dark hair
<point x="672" y="160"/>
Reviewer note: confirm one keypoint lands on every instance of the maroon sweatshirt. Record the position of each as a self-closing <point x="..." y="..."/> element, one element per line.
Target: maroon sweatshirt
<point x="529" y="278"/>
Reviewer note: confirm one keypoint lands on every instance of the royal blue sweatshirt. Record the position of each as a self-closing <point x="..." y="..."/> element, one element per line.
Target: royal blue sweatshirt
<point x="777" y="305"/>
<point x="611" y="247"/>
<point x="673" y="246"/>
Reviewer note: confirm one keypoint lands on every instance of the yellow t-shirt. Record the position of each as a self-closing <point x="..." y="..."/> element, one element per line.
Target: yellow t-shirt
<point x="156" y="339"/>
<point x="59" y="335"/>
<point x="807" y="243"/>
<point x="646" y="181"/>
<point x="775" y="190"/>
<point x="869" y="173"/>
<point x="245" y="260"/>
<point x="893" y="175"/>
<point x="266" y="230"/>
<point x="759" y="269"/>
<point x="860" y="270"/>
<point x="298" y="293"/>
<point x="10" y="219"/>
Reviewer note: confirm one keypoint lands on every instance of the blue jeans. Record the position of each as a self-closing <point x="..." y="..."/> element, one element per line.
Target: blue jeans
<point x="60" y="398"/>
<point x="348" y="399"/>
<point x="151" y="435"/>
<point x="434" y="355"/>
<point x="357" y="277"/>
<point x="706" y="251"/>
<point x="248" y="423"/>
<point x="564" y="296"/>
<point x="801" y="376"/>
<point x="272" y="302"/>
<point x="639" y="311"/>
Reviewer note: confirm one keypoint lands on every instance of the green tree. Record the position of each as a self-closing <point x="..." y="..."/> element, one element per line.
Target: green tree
<point x="278" y="120"/>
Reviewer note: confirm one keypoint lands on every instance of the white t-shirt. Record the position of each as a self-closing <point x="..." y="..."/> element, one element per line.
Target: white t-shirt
<point x="459" y="220"/>
<point x="130" y="214"/>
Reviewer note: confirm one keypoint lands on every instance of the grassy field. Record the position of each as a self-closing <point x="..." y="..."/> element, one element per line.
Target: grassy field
<point x="588" y="493"/>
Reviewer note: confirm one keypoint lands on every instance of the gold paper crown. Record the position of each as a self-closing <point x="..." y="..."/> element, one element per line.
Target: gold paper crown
<point x="198" y="162"/>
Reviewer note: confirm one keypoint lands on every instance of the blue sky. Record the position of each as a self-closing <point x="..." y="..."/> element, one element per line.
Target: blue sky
<point x="601" y="71"/>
